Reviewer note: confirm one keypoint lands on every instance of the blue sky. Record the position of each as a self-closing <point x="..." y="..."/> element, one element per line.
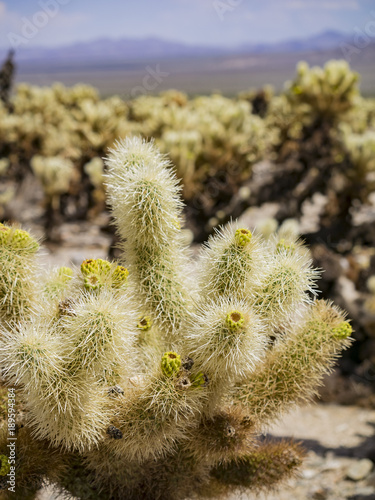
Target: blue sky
<point x="213" y="22"/>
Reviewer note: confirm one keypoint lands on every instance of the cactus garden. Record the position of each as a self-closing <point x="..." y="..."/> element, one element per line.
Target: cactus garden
<point x="222" y="276"/>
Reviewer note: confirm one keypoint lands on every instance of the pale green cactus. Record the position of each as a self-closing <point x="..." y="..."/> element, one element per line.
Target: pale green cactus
<point x="55" y="174"/>
<point x="95" y="169"/>
<point x="330" y="91"/>
<point x="57" y="282"/>
<point x="369" y="304"/>
<point x="361" y="150"/>
<point x="146" y="384"/>
<point x="4" y="165"/>
<point x="18" y="268"/>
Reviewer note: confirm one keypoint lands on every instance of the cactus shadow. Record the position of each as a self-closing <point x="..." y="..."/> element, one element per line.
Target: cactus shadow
<point x="365" y="449"/>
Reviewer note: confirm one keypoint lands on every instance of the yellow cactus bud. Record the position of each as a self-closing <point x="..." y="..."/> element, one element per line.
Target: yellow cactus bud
<point x="242" y="236"/>
<point x="200" y="380"/>
<point x="17" y="239"/>
<point x="235" y="320"/>
<point x="120" y="276"/>
<point x="94" y="266"/>
<point x="103" y="265"/>
<point x="22" y="239"/>
<point x="89" y="266"/>
<point x="65" y="273"/>
<point x="282" y="245"/>
<point x="170" y="363"/>
<point x="144" y="323"/>
<point x="343" y="331"/>
<point x="3" y="234"/>
<point x="92" y="282"/>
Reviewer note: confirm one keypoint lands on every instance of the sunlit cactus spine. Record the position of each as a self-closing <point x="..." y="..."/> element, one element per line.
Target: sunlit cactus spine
<point x="141" y="383"/>
<point x="144" y="194"/>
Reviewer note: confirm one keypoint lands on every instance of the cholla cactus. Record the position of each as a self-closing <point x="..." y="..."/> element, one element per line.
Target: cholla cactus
<point x="6" y="78"/>
<point x="361" y="149"/>
<point x="54" y="173"/>
<point x="4" y="165"/>
<point x="227" y="352"/>
<point x="368" y="315"/>
<point x="330" y="91"/>
<point x="6" y="192"/>
<point x="213" y="141"/>
<point x="94" y="169"/>
<point x="286" y="121"/>
<point x="18" y="269"/>
<point x="259" y="99"/>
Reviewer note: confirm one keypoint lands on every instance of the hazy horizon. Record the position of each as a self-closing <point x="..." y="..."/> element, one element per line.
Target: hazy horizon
<point x="222" y="23"/>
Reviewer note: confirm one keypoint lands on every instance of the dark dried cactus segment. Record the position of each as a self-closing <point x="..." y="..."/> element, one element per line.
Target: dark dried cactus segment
<point x="263" y="468"/>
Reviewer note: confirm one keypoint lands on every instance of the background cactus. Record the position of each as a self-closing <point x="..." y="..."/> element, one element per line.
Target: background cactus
<point x="330" y="91"/>
<point x="214" y="142"/>
<point x="147" y="384"/>
<point x="6" y="79"/>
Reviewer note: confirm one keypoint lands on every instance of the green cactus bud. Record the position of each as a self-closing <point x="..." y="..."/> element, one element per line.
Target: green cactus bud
<point x="103" y="265"/>
<point x="282" y="245"/>
<point x="17" y="239"/>
<point x="200" y="380"/>
<point x="120" y="276"/>
<point x="94" y="266"/>
<point x="235" y="320"/>
<point x="22" y="239"/>
<point x="170" y="363"/>
<point x="57" y="283"/>
<point x="4" y="231"/>
<point x="343" y="331"/>
<point x="243" y="236"/>
<point x="144" y="323"/>
<point x="65" y="274"/>
<point x="89" y="266"/>
<point x="92" y="282"/>
<point x="5" y="465"/>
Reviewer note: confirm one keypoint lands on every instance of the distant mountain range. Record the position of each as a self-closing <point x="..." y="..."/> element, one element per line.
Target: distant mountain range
<point x="321" y="42"/>
<point x="120" y="66"/>
<point x="131" y="49"/>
